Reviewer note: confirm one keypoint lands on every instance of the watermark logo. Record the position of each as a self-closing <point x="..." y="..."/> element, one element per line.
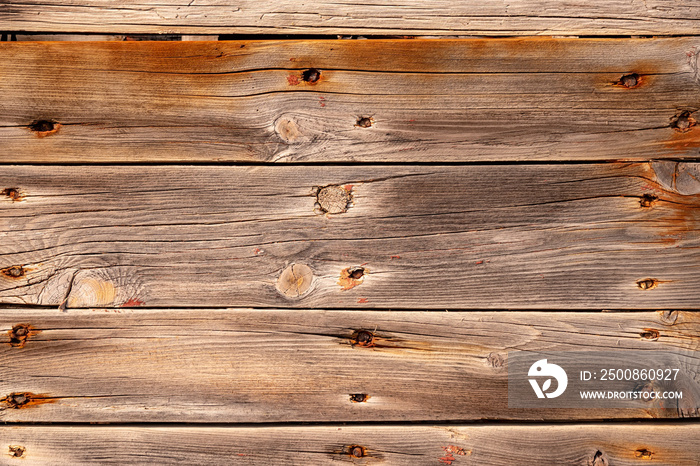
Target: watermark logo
<point x="543" y="369"/>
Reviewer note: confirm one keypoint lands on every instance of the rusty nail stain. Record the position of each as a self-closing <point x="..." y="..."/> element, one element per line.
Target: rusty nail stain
<point x="647" y="283"/>
<point x="630" y="80"/>
<point x="644" y="454"/>
<point x="364" y="338"/>
<point x="352" y="277"/>
<point x="650" y="334"/>
<point x="20" y="333"/>
<point x="13" y="193"/>
<point x="312" y="75"/>
<point x="359" y="397"/>
<point x="683" y="122"/>
<point x="16" y="271"/>
<point x="647" y="200"/>
<point x="293" y="79"/>
<point x="333" y="199"/>
<point x="364" y="122"/>
<point x="21" y="400"/>
<point x="17" y="451"/>
<point x="356" y="451"/>
<point x="44" y="127"/>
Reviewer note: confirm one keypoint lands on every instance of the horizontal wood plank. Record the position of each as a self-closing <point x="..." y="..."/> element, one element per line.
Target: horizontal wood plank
<point x="427" y="17"/>
<point x="531" y="99"/>
<point x="251" y="366"/>
<point x="591" y="236"/>
<point x="455" y="445"/>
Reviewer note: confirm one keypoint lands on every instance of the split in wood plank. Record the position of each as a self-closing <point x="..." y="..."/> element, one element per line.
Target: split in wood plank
<point x="415" y="17"/>
<point x="251" y="366"/>
<point x="560" y="236"/>
<point x="531" y="99"/>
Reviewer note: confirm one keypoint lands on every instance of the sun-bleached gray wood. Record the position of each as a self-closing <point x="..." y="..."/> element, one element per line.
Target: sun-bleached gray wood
<point x="560" y="236"/>
<point x="534" y="99"/>
<point x="252" y="366"/>
<point x="414" y="17"/>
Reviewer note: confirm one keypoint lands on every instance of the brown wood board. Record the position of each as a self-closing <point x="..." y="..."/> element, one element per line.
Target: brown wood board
<point x="316" y="101"/>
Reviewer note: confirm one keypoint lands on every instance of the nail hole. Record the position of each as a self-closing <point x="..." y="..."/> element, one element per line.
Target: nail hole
<point x="364" y="338"/>
<point x="647" y="283"/>
<point x="647" y="200"/>
<point x="19" y="335"/>
<point x="42" y="126"/>
<point x="358" y="398"/>
<point x="356" y="451"/>
<point x="683" y="122"/>
<point x="352" y="277"/>
<point x="364" y="122"/>
<point x="598" y="459"/>
<point x="644" y="454"/>
<point x="650" y="334"/>
<point x="16" y="271"/>
<point x="630" y="80"/>
<point x="17" y="451"/>
<point x="12" y="193"/>
<point x="311" y="75"/>
<point x="356" y="272"/>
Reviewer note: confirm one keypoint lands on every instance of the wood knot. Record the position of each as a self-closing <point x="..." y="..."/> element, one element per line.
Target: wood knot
<point x="630" y="80"/>
<point x="357" y="451"/>
<point x="359" y="397"/>
<point x="647" y="283"/>
<point x="15" y="271"/>
<point x="295" y="281"/>
<point x="352" y="277"/>
<point x="495" y="360"/>
<point x="683" y="122"/>
<point x="647" y="200"/>
<point x="311" y="76"/>
<point x="44" y="128"/>
<point x="17" y="400"/>
<point x="19" y="335"/>
<point x="363" y="338"/>
<point x="333" y="199"/>
<point x="364" y="122"/>
<point x="288" y="130"/>
<point x="14" y="194"/>
<point x="598" y="459"/>
<point x="669" y="317"/>
<point x="649" y="334"/>
<point x="17" y="451"/>
<point x="26" y="399"/>
<point x="680" y="177"/>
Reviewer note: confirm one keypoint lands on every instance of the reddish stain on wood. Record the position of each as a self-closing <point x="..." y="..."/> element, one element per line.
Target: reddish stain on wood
<point x="450" y="451"/>
<point x="362" y="301"/>
<point x="293" y="79"/>
<point x="133" y="303"/>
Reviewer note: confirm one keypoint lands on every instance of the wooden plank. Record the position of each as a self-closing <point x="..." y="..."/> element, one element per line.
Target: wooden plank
<point x="190" y="365"/>
<point x="427" y="17"/>
<point x="376" y="100"/>
<point x="584" y="445"/>
<point x="562" y="236"/>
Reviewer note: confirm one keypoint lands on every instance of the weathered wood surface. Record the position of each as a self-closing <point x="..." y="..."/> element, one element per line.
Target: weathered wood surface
<point x="561" y="236"/>
<point x="374" y="100"/>
<point x="418" y="17"/>
<point x="237" y="365"/>
<point x="583" y="445"/>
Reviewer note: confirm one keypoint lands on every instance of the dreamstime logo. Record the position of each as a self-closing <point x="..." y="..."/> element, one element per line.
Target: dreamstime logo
<point x="542" y="369"/>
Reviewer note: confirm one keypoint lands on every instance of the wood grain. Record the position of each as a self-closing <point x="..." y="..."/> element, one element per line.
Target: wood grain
<point x="427" y="17"/>
<point x="455" y="445"/>
<point x="252" y="366"/>
<point x="562" y="236"/>
<point x="533" y="99"/>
